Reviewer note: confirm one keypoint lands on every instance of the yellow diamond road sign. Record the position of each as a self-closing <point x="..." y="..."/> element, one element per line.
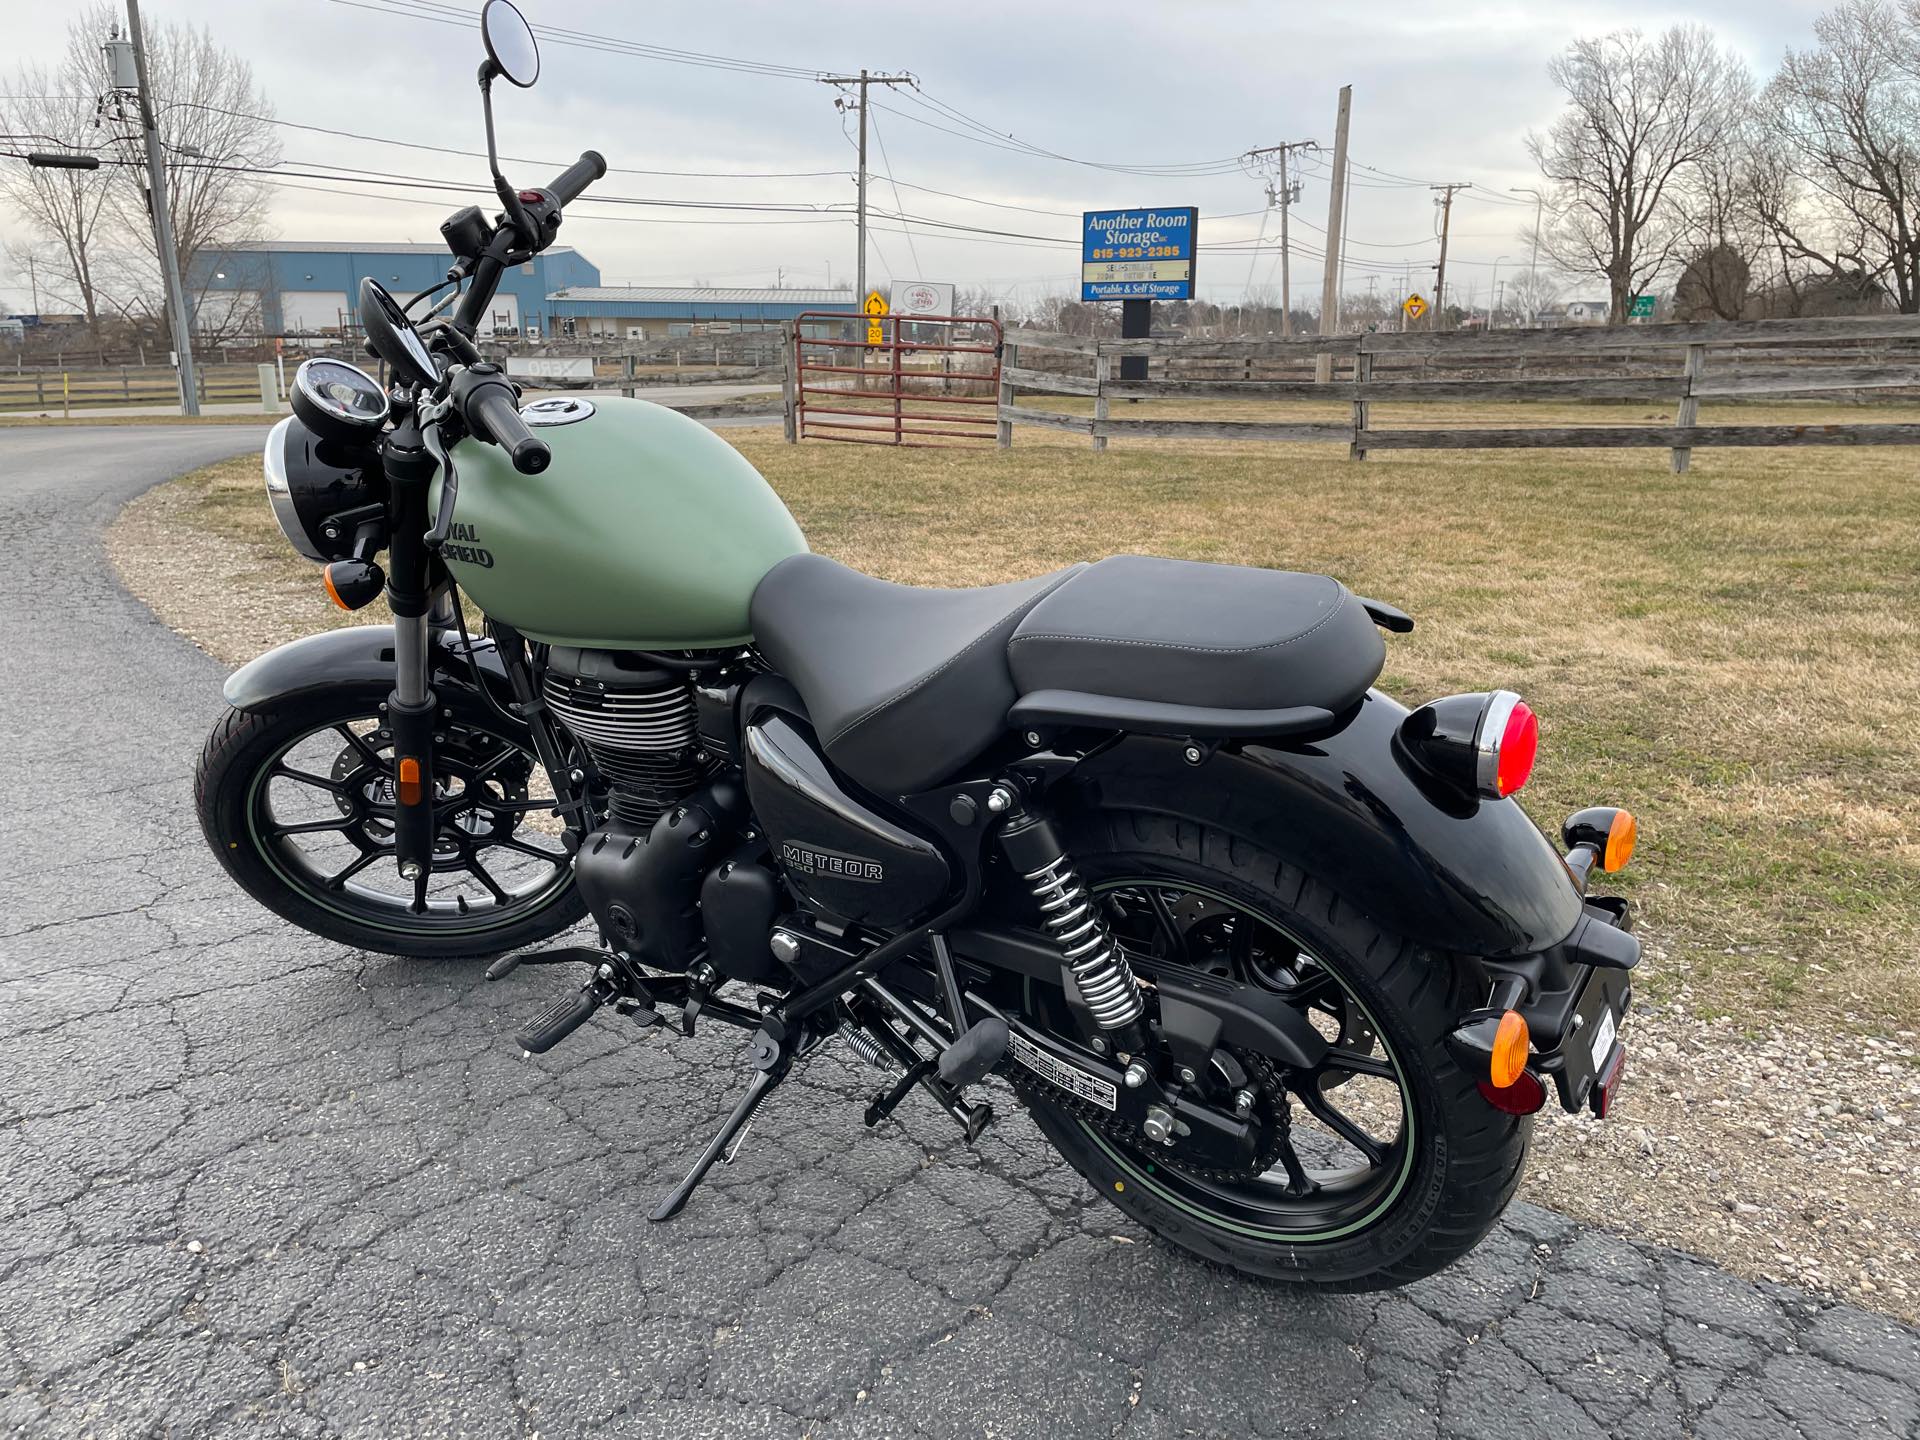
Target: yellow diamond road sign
<point x="876" y="305"/>
<point x="1415" y="306"/>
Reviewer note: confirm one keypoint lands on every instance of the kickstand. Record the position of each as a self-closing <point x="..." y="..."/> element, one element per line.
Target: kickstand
<point x="772" y="1062"/>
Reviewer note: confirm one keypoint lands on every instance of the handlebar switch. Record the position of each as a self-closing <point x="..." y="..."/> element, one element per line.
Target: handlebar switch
<point x="490" y="406"/>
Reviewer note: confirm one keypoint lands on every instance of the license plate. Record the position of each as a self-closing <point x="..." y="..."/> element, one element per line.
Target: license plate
<point x="1070" y="1078"/>
<point x="1593" y="1037"/>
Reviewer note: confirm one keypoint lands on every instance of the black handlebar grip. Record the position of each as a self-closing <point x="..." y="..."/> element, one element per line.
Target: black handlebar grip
<point x="567" y="185"/>
<point x="493" y="407"/>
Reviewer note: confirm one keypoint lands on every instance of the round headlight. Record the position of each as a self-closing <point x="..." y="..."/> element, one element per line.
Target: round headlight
<point x="312" y="480"/>
<point x="339" y="401"/>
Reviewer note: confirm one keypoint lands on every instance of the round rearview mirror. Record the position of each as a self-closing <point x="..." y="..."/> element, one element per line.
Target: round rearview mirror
<point x="510" y="43"/>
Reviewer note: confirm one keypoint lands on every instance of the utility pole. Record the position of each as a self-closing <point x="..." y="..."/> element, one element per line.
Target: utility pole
<point x="179" y="321"/>
<point x="1533" y="264"/>
<point x="1445" y="202"/>
<point x="863" y="80"/>
<point x="1284" y="197"/>
<point x="1336" y="206"/>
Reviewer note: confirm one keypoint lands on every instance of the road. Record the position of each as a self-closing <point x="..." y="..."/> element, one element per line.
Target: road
<point x="253" y="1184"/>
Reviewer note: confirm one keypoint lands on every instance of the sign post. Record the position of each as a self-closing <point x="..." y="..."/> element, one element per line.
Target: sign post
<point x="1137" y="257"/>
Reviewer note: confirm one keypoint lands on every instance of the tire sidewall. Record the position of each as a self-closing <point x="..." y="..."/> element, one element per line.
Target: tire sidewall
<point x="1412" y="1011"/>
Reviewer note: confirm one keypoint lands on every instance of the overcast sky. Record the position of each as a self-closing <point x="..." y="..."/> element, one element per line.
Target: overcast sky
<point x="1440" y="92"/>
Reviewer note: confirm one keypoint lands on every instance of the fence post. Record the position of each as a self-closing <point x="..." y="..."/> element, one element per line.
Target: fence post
<point x="789" y="381"/>
<point x="626" y="375"/>
<point x="1102" y="372"/>
<point x="1689" y="414"/>
<point x="1362" y="372"/>
<point x="1009" y="357"/>
<point x="126" y="390"/>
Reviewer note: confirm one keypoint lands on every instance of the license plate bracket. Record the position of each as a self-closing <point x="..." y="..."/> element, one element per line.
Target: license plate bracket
<point x="1589" y="1048"/>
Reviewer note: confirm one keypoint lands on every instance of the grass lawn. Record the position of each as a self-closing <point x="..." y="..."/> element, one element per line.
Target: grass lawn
<point x="1732" y="653"/>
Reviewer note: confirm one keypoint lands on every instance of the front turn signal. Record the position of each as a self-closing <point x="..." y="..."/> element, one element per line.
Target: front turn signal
<point x="410" y="790"/>
<point x="352" y="583"/>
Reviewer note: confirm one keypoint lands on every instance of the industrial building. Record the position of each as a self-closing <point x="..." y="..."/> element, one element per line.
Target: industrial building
<point x="665" y="312"/>
<point x="309" y="288"/>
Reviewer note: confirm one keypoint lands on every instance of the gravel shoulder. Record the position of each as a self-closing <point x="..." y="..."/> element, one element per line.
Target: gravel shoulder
<point x="1785" y="1152"/>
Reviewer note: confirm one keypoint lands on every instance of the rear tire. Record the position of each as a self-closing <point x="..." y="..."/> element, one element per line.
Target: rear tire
<point x="228" y="786"/>
<point x="1463" y="1160"/>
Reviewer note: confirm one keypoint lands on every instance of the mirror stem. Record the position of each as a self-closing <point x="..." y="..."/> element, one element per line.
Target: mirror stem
<point x="509" y="197"/>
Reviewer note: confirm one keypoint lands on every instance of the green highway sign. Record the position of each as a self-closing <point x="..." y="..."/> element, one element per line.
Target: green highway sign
<point x="1642" y="308"/>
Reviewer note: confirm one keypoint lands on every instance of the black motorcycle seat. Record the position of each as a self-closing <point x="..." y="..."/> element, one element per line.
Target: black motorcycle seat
<point x="905" y="685"/>
<point x="1180" y="632"/>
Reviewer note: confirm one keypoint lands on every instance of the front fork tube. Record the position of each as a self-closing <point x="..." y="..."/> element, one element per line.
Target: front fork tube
<point x="412" y="707"/>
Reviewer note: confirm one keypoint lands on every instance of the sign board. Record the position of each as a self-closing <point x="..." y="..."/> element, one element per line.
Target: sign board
<point x="875" y="329"/>
<point x="876" y="305"/>
<point x="1138" y="254"/>
<point x="1642" y="308"/>
<point x="550" y="367"/>
<point x="923" y="297"/>
<point x="1414" y="306"/>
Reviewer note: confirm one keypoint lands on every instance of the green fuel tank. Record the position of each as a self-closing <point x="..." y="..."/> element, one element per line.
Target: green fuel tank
<point x="647" y="532"/>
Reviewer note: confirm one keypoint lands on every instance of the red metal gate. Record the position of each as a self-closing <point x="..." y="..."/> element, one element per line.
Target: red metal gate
<point x="927" y="380"/>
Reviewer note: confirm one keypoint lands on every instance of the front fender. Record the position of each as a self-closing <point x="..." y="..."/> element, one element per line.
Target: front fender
<point x="359" y="654"/>
<point x="1448" y="872"/>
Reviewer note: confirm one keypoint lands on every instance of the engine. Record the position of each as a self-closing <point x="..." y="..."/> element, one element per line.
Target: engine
<point x="638" y="724"/>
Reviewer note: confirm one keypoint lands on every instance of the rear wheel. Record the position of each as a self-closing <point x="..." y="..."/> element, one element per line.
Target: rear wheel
<point x="298" y="804"/>
<point x="1380" y="1166"/>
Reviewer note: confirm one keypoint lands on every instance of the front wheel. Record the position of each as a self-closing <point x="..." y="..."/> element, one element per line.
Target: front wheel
<point x="1382" y="1165"/>
<point x="298" y="804"/>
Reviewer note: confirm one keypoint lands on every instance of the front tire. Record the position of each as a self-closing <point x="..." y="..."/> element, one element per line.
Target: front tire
<point x="1455" y="1161"/>
<point x="296" y="802"/>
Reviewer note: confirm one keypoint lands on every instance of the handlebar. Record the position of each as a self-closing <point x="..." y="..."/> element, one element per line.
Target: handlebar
<point x="492" y="412"/>
<point x="565" y="187"/>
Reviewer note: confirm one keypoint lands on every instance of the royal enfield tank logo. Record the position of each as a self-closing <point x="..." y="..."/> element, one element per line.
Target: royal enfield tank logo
<point x="462" y="545"/>
<point x="804" y="859"/>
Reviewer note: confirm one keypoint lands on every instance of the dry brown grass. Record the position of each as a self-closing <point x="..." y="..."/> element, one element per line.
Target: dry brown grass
<point x="1732" y="653"/>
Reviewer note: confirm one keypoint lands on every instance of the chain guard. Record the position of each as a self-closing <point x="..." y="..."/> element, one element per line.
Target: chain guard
<point x="1270" y="1107"/>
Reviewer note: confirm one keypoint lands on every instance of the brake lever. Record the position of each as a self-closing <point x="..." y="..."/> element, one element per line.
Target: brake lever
<point x="436" y="536"/>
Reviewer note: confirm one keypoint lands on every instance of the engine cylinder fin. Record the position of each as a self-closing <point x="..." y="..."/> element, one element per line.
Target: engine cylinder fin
<point x="641" y="737"/>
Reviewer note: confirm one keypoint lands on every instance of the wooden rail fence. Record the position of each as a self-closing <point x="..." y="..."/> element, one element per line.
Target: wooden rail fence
<point x="1667" y="364"/>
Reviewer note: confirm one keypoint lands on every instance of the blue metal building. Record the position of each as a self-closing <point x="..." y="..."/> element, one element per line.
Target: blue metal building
<point x="661" y="312"/>
<point x="308" y="287"/>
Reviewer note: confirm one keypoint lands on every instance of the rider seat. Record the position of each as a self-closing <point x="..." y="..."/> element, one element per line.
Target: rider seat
<point x="905" y="685"/>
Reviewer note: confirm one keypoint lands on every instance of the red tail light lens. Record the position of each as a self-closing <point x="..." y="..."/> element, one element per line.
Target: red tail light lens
<point x="1519" y="742"/>
<point x="1524" y="1096"/>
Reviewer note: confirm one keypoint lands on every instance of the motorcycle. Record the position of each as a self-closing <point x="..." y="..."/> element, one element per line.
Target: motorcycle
<point x="1278" y="965"/>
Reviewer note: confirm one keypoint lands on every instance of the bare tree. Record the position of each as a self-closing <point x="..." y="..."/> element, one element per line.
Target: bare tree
<point x="1641" y="115"/>
<point x="1842" y="183"/>
<point x="218" y="139"/>
<point x="52" y="108"/>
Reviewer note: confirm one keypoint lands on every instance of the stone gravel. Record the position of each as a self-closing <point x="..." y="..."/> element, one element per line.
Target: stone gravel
<point x="253" y="1184"/>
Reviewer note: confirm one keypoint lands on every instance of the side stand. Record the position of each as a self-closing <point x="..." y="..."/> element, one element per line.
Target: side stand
<point x="771" y="1060"/>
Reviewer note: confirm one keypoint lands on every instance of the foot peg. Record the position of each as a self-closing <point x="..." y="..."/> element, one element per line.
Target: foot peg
<point x="559" y="1020"/>
<point x="565" y="955"/>
<point x="975" y="1054"/>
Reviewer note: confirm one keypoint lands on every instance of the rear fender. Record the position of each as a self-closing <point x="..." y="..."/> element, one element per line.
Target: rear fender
<point x="360" y="655"/>
<point x="1447" y="871"/>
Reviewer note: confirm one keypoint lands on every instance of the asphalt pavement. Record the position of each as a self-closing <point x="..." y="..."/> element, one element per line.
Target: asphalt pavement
<point x="254" y="1184"/>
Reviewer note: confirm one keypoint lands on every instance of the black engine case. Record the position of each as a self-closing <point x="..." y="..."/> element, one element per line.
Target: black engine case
<point x="840" y="856"/>
<point x="644" y="891"/>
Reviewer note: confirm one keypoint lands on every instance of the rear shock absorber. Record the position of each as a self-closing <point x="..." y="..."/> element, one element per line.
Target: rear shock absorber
<point x="1099" y="966"/>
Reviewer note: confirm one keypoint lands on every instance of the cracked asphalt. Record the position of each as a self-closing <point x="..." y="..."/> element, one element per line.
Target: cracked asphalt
<point x="253" y="1184"/>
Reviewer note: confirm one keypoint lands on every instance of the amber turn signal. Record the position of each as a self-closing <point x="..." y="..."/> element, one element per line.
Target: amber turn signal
<point x="1621" y="835"/>
<point x="352" y="583"/>
<point x="409" y="788"/>
<point x="1509" y="1060"/>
